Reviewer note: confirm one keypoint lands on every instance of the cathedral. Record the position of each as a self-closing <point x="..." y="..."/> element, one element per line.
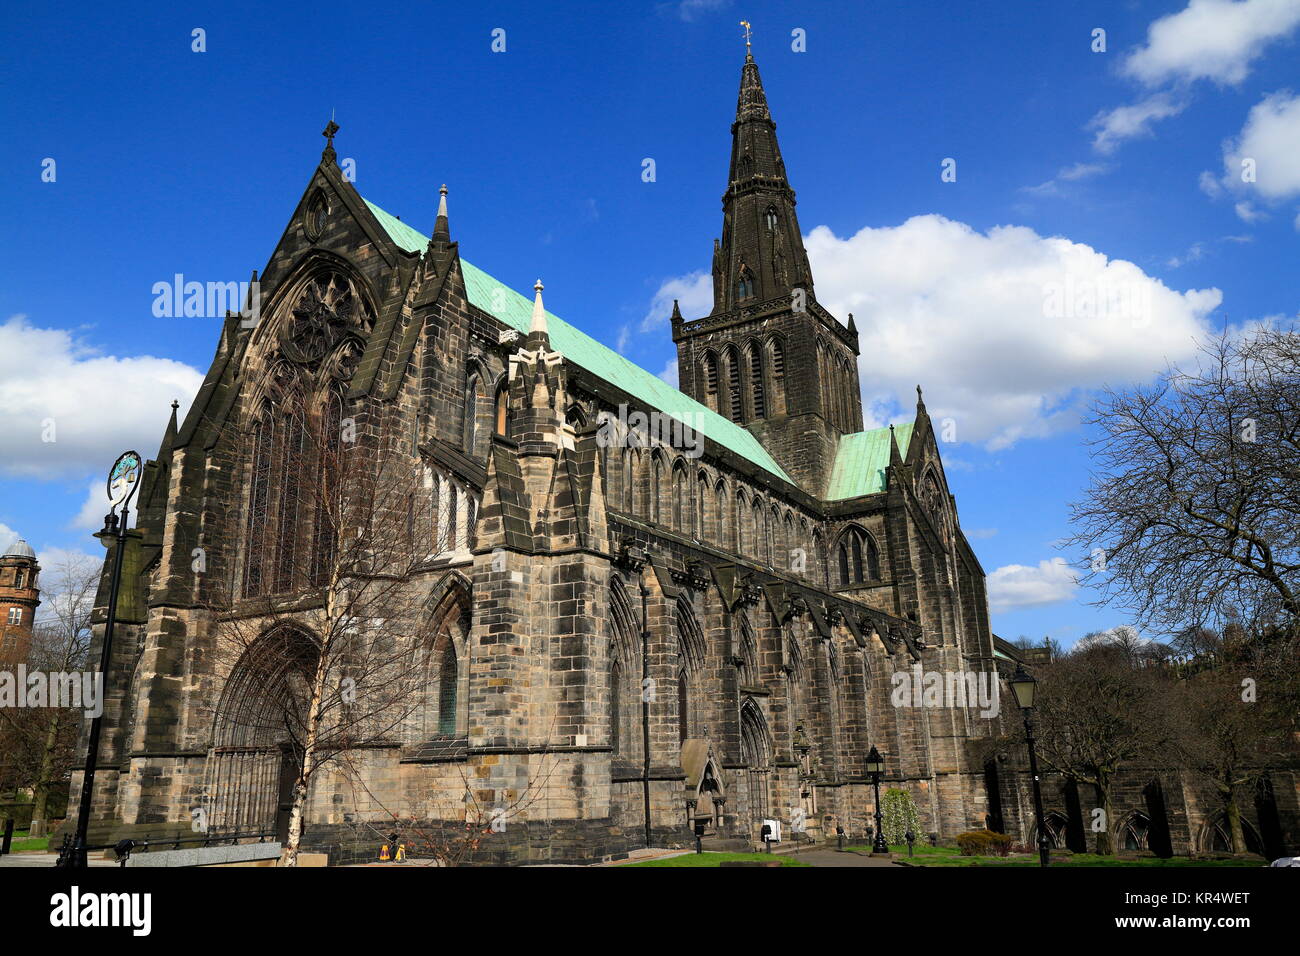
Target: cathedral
<point x="632" y="632"/>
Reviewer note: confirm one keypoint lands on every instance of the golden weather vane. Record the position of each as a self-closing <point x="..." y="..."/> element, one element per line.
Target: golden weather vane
<point x="746" y="25"/>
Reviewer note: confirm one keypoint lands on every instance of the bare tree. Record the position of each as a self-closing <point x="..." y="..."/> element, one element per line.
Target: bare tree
<point x="1098" y="707"/>
<point x="1196" y="509"/>
<point x="41" y="740"/>
<point x="330" y="630"/>
<point x="1233" y="713"/>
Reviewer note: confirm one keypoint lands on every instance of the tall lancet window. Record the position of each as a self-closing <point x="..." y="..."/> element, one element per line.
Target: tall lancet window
<point x="290" y="498"/>
<point x="734" y="407"/>
<point x="745" y="284"/>
<point x="756" y="380"/>
<point x="711" y="379"/>
<point x="258" y="506"/>
<point x="324" y="530"/>
<point x="503" y="411"/>
<point x="448" y="689"/>
<point x="777" y="365"/>
<point x="615" y="700"/>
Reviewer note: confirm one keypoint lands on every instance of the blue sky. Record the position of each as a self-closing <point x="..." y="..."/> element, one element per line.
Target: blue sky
<point x="1118" y="168"/>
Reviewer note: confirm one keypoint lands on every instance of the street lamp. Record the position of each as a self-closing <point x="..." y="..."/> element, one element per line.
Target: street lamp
<point x="1025" y="688"/>
<point x="123" y="482"/>
<point x="876" y="767"/>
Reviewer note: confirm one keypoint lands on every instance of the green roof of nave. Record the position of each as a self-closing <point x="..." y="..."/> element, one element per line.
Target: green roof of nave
<point x="515" y="310"/>
<point x="861" y="460"/>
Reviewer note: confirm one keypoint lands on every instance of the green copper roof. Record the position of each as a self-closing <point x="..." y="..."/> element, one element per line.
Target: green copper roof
<point x="861" y="460"/>
<point x="515" y="310"/>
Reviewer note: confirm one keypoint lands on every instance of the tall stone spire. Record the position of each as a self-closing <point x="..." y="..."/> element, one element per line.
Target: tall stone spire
<point x="538" y="322"/>
<point x="441" y="229"/>
<point x="761" y="254"/>
<point x="769" y="356"/>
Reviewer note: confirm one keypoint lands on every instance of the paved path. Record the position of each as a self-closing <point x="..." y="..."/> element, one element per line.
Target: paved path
<point x="45" y="859"/>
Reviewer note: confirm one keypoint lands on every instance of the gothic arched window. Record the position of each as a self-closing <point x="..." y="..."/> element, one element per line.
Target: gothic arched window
<point x="756" y="380"/>
<point x="615" y="702"/>
<point x="711" y="379"/>
<point x="932" y="501"/>
<point x="770" y="219"/>
<point x="289" y="504"/>
<point x="258" y="506"/>
<point x="448" y="689"/>
<point x="734" y="406"/>
<point x="683" y="705"/>
<point x="680" y="503"/>
<point x="745" y="284"/>
<point x="325" y="521"/>
<point x="478" y="417"/>
<point x="503" y="411"/>
<point x="701" y="528"/>
<point x="776" y="364"/>
<point x="741" y="510"/>
<point x="858" y="557"/>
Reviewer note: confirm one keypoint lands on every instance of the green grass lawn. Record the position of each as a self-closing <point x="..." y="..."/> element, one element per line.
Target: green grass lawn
<point x="713" y="859"/>
<point x="23" y="842"/>
<point x="949" y="856"/>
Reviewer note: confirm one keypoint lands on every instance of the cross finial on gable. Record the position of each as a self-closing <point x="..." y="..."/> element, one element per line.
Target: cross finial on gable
<point x="328" y="132"/>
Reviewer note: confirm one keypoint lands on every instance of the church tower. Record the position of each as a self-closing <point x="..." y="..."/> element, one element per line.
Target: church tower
<point x="19" y="598"/>
<point x="769" y="356"/>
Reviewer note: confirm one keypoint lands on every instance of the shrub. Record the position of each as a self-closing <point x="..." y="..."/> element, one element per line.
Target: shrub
<point x="999" y="844"/>
<point x="899" y="815"/>
<point x="983" y="843"/>
<point x="973" y="842"/>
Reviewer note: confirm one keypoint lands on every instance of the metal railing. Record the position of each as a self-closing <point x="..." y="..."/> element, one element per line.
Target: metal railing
<point x="124" y="848"/>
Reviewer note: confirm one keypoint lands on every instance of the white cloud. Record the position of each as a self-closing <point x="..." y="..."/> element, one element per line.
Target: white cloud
<point x="694" y="295"/>
<point x="1268" y="148"/>
<point x="91" y="515"/>
<point x="690" y="10"/>
<point x="1004" y="329"/>
<point x="7" y="537"/>
<point x="1194" y="254"/>
<point x="1247" y="212"/>
<point x="1017" y="586"/>
<point x="1215" y="40"/>
<point x="1081" y="171"/>
<point x="669" y="373"/>
<point x="1125" y="122"/>
<point x="1068" y="174"/>
<point x="93" y="405"/>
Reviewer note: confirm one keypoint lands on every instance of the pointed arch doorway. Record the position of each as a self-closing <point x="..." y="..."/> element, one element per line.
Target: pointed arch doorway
<point x="256" y="757"/>
<point x="706" y="792"/>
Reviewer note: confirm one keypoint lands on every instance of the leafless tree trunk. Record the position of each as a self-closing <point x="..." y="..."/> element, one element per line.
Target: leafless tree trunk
<point x="61" y="643"/>
<point x="1224" y="726"/>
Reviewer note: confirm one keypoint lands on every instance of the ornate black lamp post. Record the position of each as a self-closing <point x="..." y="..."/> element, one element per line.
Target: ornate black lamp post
<point x="123" y="481"/>
<point x="876" y="767"/>
<point x="1025" y="688"/>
